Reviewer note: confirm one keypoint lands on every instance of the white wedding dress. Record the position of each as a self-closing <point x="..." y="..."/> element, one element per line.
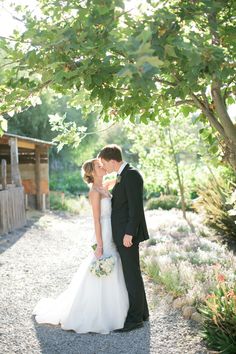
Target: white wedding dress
<point x="90" y="303"/>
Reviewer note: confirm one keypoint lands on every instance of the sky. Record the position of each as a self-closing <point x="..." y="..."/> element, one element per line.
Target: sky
<point x="8" y="24"/>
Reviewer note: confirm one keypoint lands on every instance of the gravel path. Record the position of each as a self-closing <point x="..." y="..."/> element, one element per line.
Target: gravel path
<point x="39" y="261"/>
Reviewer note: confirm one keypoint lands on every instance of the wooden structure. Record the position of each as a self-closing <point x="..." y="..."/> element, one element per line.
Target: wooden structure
<point x="12" y="209"/>
<point x="24" y="178"/>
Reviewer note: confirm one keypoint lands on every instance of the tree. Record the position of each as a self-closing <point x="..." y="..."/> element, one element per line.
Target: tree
<point x="179" y="53"/>
<point x="35" y="123"/>
<point x="168" y="156"/>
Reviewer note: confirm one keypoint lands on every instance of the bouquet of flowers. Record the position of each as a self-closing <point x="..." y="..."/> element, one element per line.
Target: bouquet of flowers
<point x="103" y="266"/>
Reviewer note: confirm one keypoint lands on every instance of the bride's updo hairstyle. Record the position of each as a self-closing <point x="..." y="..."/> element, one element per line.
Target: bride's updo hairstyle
<point x="88" y="170"/>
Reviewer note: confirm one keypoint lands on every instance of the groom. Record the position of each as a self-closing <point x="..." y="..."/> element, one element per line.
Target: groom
<point x="128" y="229"/>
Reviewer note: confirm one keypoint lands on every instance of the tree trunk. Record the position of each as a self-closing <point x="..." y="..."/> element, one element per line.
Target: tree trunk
<point x="223" y="125"/>
<point x="180" y="183"/>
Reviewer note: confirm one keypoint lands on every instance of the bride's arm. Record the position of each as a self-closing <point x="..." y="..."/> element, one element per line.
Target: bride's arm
<point x="94" y="197"/>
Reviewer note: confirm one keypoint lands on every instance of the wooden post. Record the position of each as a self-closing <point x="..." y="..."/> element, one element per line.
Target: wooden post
<point x="4" y="174"/>
<point x="26" y="202"/>
<point x="15" y="173"/>
<point x="38" y="177"/>
<point x="43" y="202"/>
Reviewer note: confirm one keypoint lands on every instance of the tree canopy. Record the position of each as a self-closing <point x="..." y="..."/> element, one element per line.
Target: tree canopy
<point x="175" y="54"/>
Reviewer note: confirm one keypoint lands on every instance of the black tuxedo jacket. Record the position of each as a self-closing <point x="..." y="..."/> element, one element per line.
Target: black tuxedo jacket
<point x="127" y="215"/>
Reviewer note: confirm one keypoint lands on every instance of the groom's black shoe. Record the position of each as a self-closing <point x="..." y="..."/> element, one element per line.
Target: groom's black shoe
<point x="129" y="327"/>
<point x="146" y="318"/>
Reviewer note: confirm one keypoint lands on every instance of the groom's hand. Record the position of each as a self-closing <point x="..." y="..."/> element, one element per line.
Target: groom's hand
<point x="127" y="240"/>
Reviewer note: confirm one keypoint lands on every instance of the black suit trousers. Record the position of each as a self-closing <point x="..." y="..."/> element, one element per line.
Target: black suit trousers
<point x="138" y="308"/>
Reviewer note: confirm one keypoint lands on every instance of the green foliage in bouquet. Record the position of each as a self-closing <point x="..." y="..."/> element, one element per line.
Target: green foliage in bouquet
<point x="219" y="313"/>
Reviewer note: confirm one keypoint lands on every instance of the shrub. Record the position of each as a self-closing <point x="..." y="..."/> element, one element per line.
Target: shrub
<point x="162" y="271"/>
<point x="57" y="201"/>
<point x="151" y="242"/>
<point x="66" y="202"/>
<point x="69" y="181"/>
<point x="213" y="204"/>
<point x="165" y="202"/>
<point x="219" y="313"/>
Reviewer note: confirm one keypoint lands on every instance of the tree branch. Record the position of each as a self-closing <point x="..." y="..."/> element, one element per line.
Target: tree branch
<point x="221" y="110"/>
<point x="212" y="119"/>
<point x="36" y="90"/>
<point x="11" y="62"/>
<point x="226" y="93"/>
<point x="13" y="16"/>
<point x="166" y="82"/>
<point x="179" y="103"/>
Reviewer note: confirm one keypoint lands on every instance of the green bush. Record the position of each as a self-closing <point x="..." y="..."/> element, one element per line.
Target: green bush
<point x="165" y="202"/>
<point x="70" y="181"/>
<point x="219" y="313"/>
<point x="68" y="202"/>
<point x="57" y="201"/>
<point x="213" y="202"/>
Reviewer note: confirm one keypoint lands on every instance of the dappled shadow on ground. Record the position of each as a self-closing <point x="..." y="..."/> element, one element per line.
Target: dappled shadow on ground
<point x="9" y="239"/>
<point x="53" y="339"/>
<point x="33" y="221"/>
<point x="230" y="244"/>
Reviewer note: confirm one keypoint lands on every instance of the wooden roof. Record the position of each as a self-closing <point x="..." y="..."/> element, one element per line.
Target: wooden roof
<point x="25" y="138"/>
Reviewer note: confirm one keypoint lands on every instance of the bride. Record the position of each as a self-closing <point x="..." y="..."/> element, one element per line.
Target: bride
<point x="91" y="303"/>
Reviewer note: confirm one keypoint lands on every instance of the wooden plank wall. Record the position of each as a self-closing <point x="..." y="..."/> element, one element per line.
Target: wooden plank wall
<point x="12" y="209"/>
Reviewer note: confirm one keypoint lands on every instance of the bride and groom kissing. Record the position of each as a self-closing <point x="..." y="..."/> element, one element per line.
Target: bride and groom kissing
<point x="117" y="301"/>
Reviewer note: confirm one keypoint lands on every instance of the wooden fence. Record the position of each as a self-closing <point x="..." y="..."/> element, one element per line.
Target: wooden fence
<point x="12" y="204"/>
<point x="12" y="209"/>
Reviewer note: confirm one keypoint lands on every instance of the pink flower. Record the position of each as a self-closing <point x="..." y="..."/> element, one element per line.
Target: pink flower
<point x="221" y="278"/>
<point x="216" y="266"/>
<point x="231" y="293"/>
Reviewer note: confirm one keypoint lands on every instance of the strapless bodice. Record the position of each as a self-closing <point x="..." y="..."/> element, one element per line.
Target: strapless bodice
<point x="106" y="207"/>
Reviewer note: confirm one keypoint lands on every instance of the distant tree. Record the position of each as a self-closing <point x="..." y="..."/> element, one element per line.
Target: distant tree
<point x="168" y="156"/>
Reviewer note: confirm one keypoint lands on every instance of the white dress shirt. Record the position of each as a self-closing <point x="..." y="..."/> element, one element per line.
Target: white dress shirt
<point x="122" y="167"/>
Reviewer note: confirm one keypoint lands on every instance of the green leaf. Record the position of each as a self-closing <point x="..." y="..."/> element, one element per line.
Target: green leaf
<point x="154" y="61"/>
<point x="170" y="51"/>
<point x="3" y="125"/>
<point x="145" y="49"/>
<point x="145" y="35"/>
<point x="186" y="110"/>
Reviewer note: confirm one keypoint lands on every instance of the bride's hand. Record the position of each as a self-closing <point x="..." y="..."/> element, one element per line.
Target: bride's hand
<point x="98" y="252"/>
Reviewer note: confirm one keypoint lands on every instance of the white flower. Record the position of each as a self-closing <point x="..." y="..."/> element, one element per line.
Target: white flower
<point x="103" y="266"/>
<point x="187" y="273"/>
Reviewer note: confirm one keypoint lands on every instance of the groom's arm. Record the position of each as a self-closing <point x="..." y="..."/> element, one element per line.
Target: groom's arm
<point x="134" y="192"/>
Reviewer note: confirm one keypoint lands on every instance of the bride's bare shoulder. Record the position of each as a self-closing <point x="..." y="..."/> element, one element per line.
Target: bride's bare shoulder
<point x="93" y="194"/>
